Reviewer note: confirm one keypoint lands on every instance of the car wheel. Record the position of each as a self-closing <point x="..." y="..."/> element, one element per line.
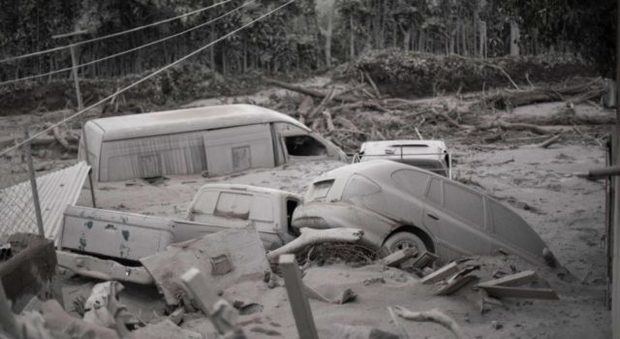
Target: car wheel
<point x="401" y="240"/>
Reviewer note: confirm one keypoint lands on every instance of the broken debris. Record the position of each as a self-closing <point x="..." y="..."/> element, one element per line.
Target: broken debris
<point x="224" y="257"/>
<point x="93" y="267"/>
<point x="509" y="287"/>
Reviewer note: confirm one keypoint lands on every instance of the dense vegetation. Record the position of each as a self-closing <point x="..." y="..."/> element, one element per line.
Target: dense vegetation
<point x="307" y="35"/>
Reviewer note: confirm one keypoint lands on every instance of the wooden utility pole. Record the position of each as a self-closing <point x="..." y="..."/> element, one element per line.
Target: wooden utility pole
<point x="615" y="289"/>
<point x="74" y="64"/>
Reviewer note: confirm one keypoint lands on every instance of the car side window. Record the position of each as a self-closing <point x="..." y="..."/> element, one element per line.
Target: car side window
<point x="464" y="204"/>
<point x="434" y="191"/>
<point x="411" y="181"/>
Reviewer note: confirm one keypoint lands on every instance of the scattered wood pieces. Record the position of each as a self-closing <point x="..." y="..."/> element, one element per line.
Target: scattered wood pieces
<point x="486" y="301"/>
<point x="434" y="315"/>
<point x="441" y="274"/>
<point x="521" y="292"/>
<point x="456" y="282"/>
<point x="512" y="279"/>
<point x="397" y="258"/>
<point x="424" y="260"/>
<point x="507" y="287"/>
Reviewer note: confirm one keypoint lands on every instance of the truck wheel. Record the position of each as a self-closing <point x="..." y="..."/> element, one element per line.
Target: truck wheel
<point x="401" y="240"/>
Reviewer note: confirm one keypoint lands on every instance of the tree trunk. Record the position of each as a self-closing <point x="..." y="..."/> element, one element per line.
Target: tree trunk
<point x="483" y="39"/>
<point x="407" y="39"/>
<point x="351" y="38"/>
<point x="328" y="40"/>
<point x="515" y="36"/>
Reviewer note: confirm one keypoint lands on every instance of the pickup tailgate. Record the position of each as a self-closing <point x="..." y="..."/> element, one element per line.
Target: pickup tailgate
<point x="114" y="233"/>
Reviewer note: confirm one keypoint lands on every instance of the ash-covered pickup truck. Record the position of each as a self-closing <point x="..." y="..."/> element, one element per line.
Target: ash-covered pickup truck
<point x="216" y="207"/>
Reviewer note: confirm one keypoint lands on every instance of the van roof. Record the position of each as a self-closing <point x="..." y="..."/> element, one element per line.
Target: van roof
<point x="188" y="120"/>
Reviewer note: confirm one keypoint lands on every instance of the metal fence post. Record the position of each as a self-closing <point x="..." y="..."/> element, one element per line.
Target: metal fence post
<point x="33" y="184"/>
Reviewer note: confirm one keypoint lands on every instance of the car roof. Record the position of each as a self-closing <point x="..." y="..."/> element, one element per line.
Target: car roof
<point x="381" y="170"/>
<point x="188" y="120"/>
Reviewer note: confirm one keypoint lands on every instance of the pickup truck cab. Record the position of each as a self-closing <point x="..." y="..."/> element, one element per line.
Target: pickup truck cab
<point x="269" y="210"/>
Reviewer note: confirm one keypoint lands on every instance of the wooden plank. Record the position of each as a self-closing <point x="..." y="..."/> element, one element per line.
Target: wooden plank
<point x="512" y="279"/>
<point x="441" y="274"/>
<point x="521" y="292"/>
<point x="455" y="284"/>
<point x="299" y="303"/>
<point x="424" y="260"/>
<point x="397" y="258"/>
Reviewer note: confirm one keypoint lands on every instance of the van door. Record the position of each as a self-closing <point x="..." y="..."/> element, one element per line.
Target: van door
<point x="236" y="149"/>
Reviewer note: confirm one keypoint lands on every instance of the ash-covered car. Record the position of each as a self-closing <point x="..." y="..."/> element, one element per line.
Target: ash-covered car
<point x="401" y="206"/>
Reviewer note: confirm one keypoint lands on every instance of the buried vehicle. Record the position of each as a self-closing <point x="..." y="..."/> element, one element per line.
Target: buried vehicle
<point x="211" y="140"/>
<point x="431" y="155"/>
<point x="400" y="206"/>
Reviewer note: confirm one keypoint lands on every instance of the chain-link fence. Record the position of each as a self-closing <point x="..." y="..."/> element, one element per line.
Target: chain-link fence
<point x="19" y="207"/>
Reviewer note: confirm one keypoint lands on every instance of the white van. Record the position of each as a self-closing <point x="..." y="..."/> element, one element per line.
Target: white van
<point x="213" y="140"/>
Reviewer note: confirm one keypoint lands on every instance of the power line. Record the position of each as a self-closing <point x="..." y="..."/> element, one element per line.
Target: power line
<point x="136" y="83"/>
<point x="112" y="35"/>
<point x="67" y="69"/>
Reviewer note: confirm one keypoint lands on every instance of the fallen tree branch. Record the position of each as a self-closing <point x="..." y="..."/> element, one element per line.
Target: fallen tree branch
<point x="328" y="120"/>
<point x="318" y="109"/>
<point x="433" y="315"/>
<point x="446" y="117"/>
<point x="306" y="91"/>
<point x="514" y="126"/>
<point x="63" y="141"/>
<point x="550" y="141"/>
<point x="311" y="236"/>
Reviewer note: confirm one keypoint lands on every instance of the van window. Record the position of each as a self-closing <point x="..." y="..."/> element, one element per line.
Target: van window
<point x="410" y="181"/>
<point x="464" y="204"/>
<point x="233" y="205"/>
<point x="434" y="191"/>
<point x="304" y="145"/>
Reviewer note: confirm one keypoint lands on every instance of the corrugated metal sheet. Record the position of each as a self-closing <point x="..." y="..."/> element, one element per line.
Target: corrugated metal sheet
<point x="56" y="191"/>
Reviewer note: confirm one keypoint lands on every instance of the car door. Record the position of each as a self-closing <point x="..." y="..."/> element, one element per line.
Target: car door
<point x="456" y="215"/>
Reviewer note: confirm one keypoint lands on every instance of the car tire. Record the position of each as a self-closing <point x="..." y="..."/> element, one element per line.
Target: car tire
<point x="401" y="240"/>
